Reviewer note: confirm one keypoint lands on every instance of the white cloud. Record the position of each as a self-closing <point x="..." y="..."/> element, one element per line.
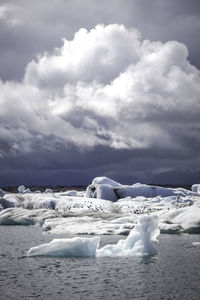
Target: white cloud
<point x="104" y="87"/>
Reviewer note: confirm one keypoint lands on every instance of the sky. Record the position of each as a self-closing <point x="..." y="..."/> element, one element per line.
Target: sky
<point x="99" y="88"/>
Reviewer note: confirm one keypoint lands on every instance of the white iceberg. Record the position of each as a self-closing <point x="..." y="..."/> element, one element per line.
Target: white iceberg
<point x="196" y="188"/>
<point x="76" y="247"/>
<point x="105" y="188"/>
<point x="21" y="188"/>
<point x="138" y="243"/>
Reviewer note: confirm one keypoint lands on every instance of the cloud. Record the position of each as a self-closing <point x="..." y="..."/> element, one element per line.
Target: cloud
<point x="41" y="26"/>
<point x="105" y="87"/>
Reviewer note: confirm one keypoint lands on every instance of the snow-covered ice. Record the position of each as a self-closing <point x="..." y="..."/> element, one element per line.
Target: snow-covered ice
<point x="138" y="243"/>
<point x="106" y="207"/>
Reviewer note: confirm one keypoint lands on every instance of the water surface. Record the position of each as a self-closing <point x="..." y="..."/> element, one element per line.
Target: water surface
<point x="173" y="274"/>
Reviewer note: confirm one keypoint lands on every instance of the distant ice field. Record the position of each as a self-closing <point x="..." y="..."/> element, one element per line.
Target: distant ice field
<point x="105" y="208"/>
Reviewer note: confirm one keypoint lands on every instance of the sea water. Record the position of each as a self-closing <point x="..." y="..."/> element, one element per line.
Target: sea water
<point x="172" y="274"/>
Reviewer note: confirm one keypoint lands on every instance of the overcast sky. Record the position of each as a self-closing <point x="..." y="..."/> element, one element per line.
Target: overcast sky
<point x="99" y="88"/>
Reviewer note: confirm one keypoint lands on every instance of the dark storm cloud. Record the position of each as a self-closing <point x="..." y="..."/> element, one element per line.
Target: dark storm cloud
<point x="120" y="107"/>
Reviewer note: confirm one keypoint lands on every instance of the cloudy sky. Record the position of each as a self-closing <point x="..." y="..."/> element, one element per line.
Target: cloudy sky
<point x="99" y="88"/>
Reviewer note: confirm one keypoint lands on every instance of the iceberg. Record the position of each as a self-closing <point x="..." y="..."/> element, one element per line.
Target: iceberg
<point x="196" y="188"/>
<point x="105" y="188"/>
<point x="76" y="247"/>
<point x="21" y="188"/>
<point x="138" y="243"/>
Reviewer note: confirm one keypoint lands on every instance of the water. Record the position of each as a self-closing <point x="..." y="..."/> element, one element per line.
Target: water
<point x="173" y="274"/>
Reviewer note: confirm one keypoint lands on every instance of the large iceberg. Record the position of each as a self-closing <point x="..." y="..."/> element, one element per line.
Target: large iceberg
<point x="105" y="188"/>
<point x="138" y="243"/>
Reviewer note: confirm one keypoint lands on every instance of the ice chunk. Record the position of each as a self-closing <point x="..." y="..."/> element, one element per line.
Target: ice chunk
<point x="196" y="188"/>
<point x="21" y="188"/>
<point x="196" y="243"/>
<point x="139" y="243"/>
<point x="76" y="247"/>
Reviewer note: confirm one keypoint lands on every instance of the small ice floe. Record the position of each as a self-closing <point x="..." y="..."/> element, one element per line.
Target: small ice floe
<point x="196" y="243"/>
<point x="76" y="247"/>
<point x="196" y="188"/>
<point x="138" y="243"/>
<point x="21" y="189"/>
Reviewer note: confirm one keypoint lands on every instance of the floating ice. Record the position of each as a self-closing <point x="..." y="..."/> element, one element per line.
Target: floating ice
<point x="105" y="188"/>
<point x="76" y="247"/>
<point x="196" y="188"/>
<point x="138" y="243"/>
<point x="196" y="243"/>
<point x="21" y="188"/>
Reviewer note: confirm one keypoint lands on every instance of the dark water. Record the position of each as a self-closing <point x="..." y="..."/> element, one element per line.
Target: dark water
<point x="173" y="274"/>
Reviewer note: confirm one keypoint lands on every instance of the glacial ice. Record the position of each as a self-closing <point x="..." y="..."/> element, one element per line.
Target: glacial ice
<point x="138" y="243"/>
<point x="108" y="189"/>
<point x="76" y="247"/>
<point x="21" y="188"/>
<point x="106" y="207"/>
<point x="21" y="216"/>
<point x="196" y="188"/>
